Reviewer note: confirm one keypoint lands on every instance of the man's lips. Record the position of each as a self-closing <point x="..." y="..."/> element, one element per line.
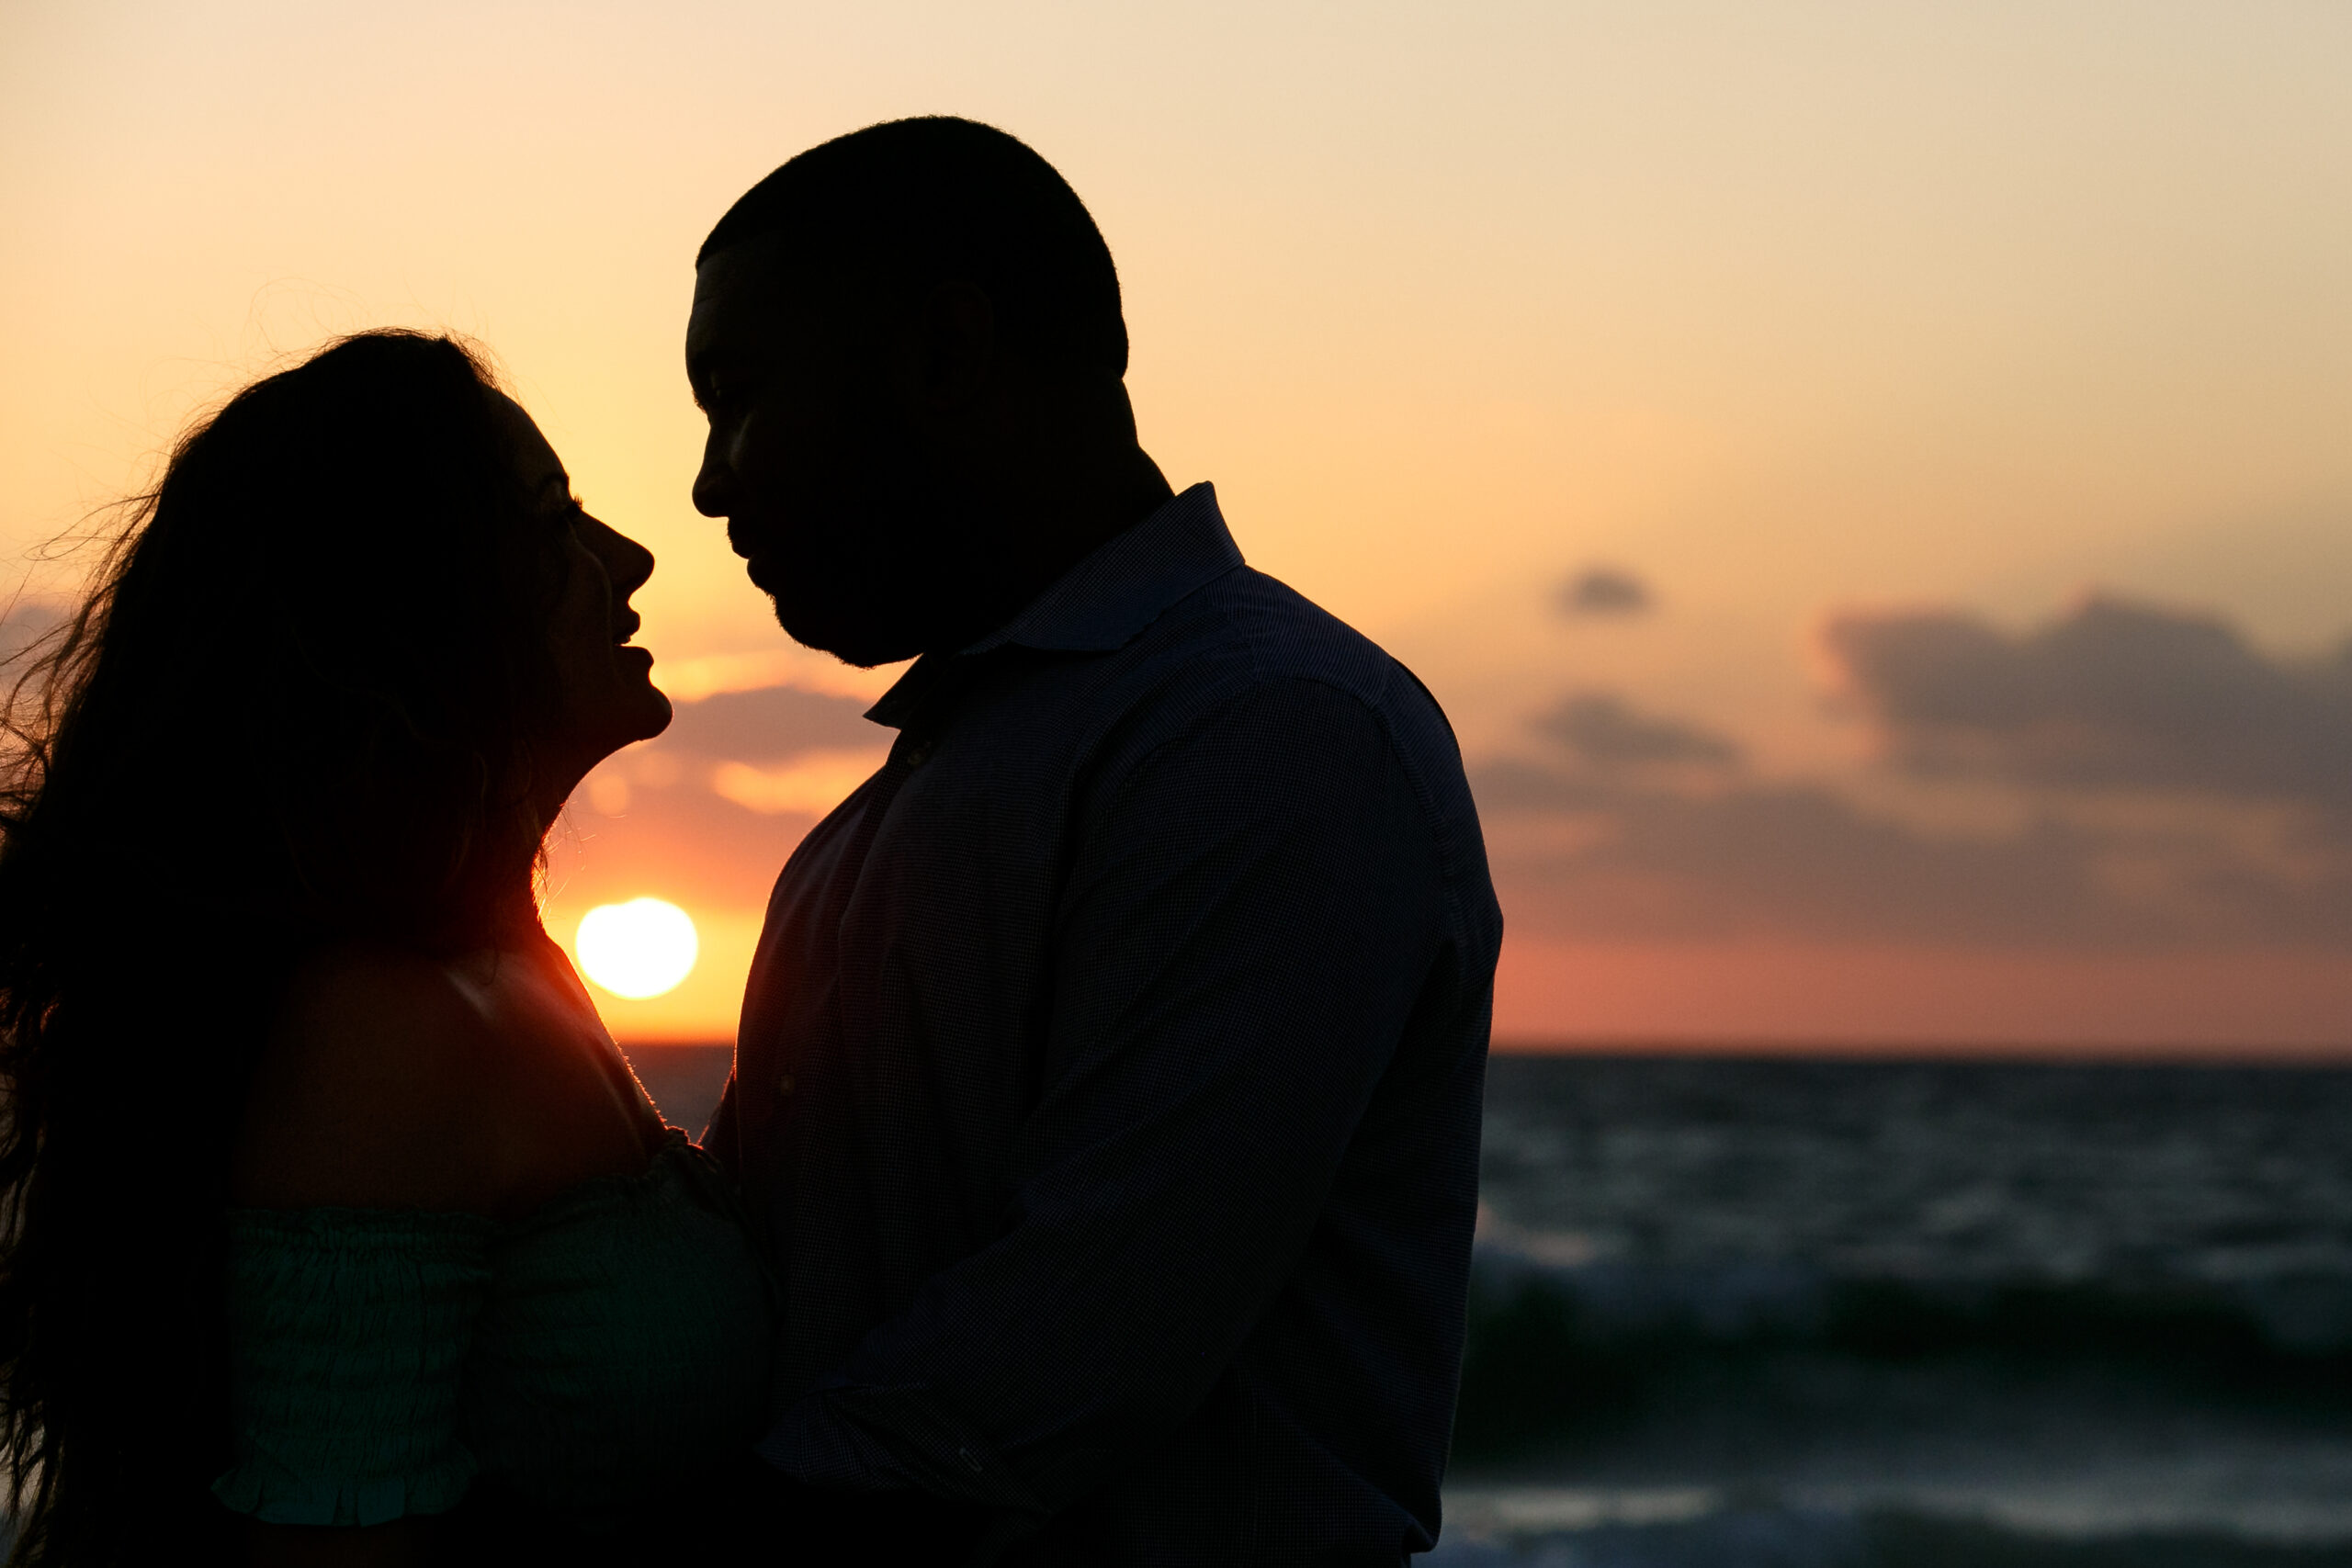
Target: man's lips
<point x="756" y="546"/>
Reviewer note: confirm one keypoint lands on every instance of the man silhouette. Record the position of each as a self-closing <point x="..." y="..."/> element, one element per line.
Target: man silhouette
<point x="1109" y="1079"/>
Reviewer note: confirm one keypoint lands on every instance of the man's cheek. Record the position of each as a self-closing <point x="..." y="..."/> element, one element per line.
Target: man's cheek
<point x="752" y="456"/>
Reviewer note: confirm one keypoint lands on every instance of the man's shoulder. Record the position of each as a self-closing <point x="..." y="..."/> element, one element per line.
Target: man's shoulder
<point x="1248" y="652"/>
<point x="1247" y="631"/>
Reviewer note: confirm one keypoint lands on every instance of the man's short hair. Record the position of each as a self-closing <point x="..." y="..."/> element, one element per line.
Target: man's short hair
<point x="914" y="202"/>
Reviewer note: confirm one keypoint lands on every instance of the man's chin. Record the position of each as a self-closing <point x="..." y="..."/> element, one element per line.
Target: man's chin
<point x="860" y="646"/>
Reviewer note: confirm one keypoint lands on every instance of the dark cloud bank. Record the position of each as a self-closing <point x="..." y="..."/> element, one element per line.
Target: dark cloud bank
<point x="1637" y="826"/>
<point x="704" y="848"/>
<point x="1621" y="824"/>
<point x="768" y="725"/>
<point x="1599" y="730"/>
<point x="2115" y="695"/>
<point x="1605" y="590"/>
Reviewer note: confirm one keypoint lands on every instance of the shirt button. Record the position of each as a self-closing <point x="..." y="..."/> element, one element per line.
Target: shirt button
<point x="919" y="753"/>
<point x="782" y="1085"/>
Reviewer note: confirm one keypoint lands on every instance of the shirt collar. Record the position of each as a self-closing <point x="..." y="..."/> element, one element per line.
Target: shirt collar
<point x="1102" y="602"/>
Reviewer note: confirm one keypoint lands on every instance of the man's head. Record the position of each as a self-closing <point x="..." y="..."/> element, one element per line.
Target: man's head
<point x="909" y="346"/>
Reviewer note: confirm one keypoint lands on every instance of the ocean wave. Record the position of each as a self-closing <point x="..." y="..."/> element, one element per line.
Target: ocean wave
<point x="1800" y="1536"/>
<point x="1562" y="1355"/>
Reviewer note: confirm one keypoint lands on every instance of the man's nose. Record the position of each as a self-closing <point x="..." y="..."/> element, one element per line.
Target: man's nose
<point x="714" y="486"/>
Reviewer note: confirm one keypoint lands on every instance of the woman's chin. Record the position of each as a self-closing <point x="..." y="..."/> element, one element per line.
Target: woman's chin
<point x="657" y="717"/>
<point x="654" y="712"/>
<point x="621" y="716"/>
<point x="648" y="706"/>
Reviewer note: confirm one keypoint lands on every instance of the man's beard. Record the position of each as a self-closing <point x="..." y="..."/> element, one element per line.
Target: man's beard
<point x="890" y="558"/>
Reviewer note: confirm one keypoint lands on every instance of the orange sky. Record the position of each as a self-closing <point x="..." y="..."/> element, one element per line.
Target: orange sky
<point x="1933" y="317"/>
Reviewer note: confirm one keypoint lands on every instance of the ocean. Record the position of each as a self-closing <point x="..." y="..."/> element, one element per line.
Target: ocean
<point x="1792" y="1313"/>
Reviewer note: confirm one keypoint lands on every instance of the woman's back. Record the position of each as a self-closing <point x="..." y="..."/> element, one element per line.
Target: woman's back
<point x="467" y="1261"/>
<point x="512" y="1283"/>
<point x="391" y="1080"/>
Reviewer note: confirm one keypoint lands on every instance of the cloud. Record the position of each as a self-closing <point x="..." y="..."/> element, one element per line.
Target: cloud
<point x="810" y="785"/>
<point x="2162" y="785"/>
<point x="1617" y="852"/>
<point x="679" y="840"/>
<point x="1603" y="732"/>
<point x="2113" y="695"/>
<point x="25" y="625"/>
<point x="1763" y="859"/>
<point x="1604" y="591"/>
<point x="709" y="811"/>
<point x="770" y="722"/>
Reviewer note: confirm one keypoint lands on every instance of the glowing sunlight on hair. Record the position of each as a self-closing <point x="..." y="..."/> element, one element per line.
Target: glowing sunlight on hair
<point x="639" y="949"/>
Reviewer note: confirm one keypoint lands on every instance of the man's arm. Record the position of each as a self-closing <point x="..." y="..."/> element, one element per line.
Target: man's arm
<point x="1248" y="926"/>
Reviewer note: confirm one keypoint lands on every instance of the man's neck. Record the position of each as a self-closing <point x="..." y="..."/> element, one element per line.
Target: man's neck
<point x="1073" y="523"/>
<point x="1051" y="528"/>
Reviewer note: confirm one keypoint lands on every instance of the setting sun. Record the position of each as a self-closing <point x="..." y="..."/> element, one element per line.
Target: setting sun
<point x="639" y="949"/>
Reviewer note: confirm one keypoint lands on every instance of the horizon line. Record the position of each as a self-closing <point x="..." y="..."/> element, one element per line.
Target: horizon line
<point x="1796" y="1048"/>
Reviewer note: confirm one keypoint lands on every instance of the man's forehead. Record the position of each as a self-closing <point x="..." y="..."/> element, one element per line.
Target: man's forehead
<point x="758" y="296"/>
<point x="739" y="288"/>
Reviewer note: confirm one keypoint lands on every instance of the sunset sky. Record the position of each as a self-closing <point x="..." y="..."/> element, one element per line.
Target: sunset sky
<point x="1872" y="483"/>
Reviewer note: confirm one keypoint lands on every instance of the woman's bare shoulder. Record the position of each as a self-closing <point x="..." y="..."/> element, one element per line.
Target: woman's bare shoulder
<point x="368" y="1092"/>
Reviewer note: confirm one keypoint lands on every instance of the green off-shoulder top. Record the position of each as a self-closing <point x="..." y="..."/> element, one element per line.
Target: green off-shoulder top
<point x="607" y="1351"/>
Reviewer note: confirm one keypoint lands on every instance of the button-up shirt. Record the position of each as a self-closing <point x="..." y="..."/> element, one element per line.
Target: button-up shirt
<point x="1109" y="1079"/>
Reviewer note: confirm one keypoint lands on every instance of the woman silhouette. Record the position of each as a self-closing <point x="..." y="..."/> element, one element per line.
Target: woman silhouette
<point x="337" y="1230"/>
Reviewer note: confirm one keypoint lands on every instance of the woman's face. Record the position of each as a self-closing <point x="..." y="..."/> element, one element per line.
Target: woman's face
<point x="608" y="697"/>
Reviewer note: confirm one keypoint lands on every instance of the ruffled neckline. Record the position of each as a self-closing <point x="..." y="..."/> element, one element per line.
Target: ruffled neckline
<point x="676" y="1159"/>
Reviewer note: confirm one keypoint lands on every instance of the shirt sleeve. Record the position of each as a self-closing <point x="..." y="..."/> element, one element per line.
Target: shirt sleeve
<point x="1249" y="921"/>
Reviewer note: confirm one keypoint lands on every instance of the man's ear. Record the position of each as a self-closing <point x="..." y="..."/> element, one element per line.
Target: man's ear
<point x="954" y="344"/>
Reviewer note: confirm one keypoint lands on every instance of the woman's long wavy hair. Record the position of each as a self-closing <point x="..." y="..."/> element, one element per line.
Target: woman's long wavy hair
<point x="297" y="708"/>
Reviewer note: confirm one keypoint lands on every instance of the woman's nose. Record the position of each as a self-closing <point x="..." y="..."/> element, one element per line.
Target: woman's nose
<point x="637" y="566"/>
